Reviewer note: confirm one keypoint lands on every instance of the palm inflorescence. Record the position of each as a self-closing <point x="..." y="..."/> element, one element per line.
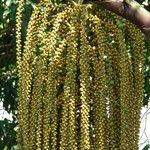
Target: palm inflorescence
<point x="80" y="79"/>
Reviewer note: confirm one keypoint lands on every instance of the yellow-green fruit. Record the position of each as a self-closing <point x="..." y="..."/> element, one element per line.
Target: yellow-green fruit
<point x="80" y="79"/>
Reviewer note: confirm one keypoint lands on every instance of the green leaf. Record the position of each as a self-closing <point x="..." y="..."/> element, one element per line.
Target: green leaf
<point x="146" y="147"/>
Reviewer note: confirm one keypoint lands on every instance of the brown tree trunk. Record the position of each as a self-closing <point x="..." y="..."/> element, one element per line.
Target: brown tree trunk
<point x="130" y="10"/>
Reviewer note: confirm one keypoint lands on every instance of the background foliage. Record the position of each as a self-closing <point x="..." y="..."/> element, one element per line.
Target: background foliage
<point x="8" y="73"/>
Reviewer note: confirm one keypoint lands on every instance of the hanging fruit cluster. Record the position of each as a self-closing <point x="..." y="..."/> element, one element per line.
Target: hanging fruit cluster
<point x="80" y="79"/>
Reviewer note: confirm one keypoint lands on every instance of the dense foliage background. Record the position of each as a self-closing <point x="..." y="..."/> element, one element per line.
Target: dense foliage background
<point x="8" y="73"/>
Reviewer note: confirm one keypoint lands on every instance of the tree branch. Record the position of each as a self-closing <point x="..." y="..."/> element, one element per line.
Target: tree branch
<point x="130" y="10"/>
